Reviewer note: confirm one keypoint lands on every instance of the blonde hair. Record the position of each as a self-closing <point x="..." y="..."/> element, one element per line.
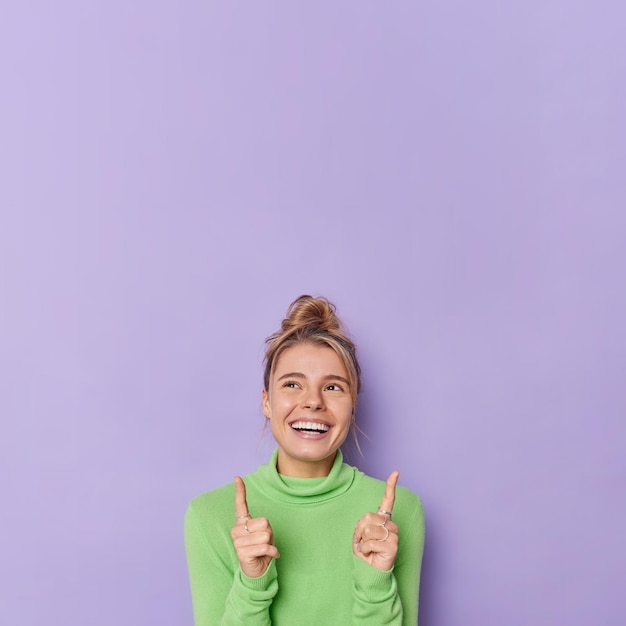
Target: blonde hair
<point x="314" y="320"/>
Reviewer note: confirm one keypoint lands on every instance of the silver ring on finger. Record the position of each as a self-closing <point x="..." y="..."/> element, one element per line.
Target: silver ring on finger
<point x="386" y="536"/>
<point x="383" y="512"/>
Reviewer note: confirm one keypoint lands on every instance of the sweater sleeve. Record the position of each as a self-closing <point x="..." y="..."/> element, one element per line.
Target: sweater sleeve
<point x="375" y="596"/>
<point x="222" y="593"/>
<point x="392" y="597"/>
<point x="408" y="563"/>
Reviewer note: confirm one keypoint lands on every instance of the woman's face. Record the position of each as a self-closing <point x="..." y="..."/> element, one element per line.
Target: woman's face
<point x="310" y="409"/>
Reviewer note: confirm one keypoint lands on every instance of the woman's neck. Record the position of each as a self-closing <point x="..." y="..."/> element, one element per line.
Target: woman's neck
<point x="300" y="468"/>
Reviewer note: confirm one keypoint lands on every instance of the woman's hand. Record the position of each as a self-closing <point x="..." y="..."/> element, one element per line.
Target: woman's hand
<point x="376" y="536"/>
<point x="252" y="537"/>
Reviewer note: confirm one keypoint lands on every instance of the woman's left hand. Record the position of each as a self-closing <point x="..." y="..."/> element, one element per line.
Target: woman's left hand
<point x="376" y="536"/>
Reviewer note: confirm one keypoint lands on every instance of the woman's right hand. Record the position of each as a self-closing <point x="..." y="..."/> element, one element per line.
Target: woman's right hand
<point x="252" y="536"/>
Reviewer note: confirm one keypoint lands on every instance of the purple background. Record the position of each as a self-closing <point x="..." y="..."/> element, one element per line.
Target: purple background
<point x="450" y="173"/>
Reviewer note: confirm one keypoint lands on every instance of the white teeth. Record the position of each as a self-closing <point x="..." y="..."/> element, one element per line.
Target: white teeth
<point x="309" y="426"/>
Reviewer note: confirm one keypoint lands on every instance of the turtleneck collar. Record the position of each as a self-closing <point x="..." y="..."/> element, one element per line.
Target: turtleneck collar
<point x="304" y="490"/>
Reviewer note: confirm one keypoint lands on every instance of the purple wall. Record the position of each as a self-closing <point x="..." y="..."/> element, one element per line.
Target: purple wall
<point x="450" y="173"/>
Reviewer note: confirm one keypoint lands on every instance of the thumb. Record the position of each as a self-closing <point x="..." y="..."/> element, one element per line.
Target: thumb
<point x="241" y="505"/>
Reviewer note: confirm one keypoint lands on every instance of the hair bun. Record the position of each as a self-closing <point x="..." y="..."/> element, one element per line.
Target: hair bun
<point x="306" y="312"/>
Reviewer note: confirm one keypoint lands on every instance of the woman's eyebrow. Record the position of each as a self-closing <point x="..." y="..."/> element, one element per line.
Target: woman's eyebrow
<point x="337" y="377"/>
<point x="292" y="375"/>
<point x="327" y="377"/>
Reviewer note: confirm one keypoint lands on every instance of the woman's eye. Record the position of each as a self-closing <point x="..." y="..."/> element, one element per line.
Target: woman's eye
<point x="334" y="387"/>
<point x="291" y="385"/>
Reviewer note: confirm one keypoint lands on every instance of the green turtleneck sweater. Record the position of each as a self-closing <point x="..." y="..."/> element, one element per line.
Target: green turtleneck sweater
<point x="317" y="579"/>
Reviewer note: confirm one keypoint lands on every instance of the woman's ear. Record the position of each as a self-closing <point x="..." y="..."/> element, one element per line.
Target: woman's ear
<point x="267" y="411"/>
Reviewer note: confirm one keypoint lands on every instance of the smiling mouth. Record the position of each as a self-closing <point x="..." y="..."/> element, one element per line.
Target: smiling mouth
<point x="310" y="427"/>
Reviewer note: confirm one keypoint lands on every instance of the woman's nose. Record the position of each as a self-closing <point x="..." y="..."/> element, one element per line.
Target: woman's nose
<point x="312" y="399"/>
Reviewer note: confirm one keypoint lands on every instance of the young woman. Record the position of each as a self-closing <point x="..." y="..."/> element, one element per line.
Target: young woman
<point x="306" y="539"/>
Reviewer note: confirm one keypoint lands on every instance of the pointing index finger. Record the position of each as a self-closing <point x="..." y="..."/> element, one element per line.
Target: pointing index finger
<point x="389" y="497"/>
<point x="241" y="506"/>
